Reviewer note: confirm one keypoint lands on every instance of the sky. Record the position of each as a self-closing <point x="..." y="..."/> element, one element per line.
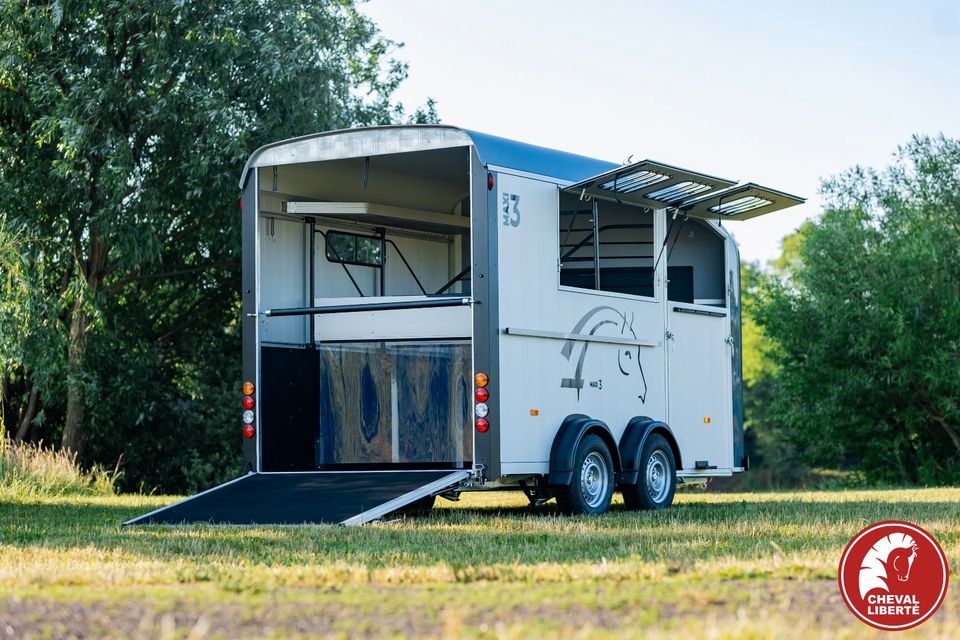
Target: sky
<point x="782" y="94"/>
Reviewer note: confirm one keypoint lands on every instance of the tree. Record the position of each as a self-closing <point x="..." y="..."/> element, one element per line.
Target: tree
<point x="123" y="128"/>
<point x="866" y="323"/>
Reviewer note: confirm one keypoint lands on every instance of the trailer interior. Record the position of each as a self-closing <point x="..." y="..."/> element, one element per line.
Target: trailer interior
<point x="349" y="389"/>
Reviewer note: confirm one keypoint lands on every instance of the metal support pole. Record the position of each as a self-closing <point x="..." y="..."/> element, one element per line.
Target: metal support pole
<point x="311" y="300"/>
<point x="596" y="245"/>
<point x="383" y="261"/>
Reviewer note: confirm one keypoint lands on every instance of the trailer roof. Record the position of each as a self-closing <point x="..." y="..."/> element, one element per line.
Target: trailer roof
<point x="372" y="141"/>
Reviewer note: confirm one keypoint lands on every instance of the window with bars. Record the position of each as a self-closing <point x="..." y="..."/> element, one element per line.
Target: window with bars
<point x="605" y="246"/>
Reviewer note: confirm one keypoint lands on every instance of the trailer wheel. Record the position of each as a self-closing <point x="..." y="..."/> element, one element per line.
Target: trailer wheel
<point x="658" y="477"/>
<point x="591" y="486"/>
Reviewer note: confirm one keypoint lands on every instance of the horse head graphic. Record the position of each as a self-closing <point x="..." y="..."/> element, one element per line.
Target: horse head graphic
<point x="891" y="556"/>
<point x="628" y="356"/>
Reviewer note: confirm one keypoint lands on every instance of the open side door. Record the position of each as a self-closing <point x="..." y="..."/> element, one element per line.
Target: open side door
<point x="334" y="497"/>
<point x="739" y="203"/>
<point x="649" y="184"/>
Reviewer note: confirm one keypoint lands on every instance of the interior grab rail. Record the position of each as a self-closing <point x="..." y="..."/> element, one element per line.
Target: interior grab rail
<point x="372" y="306"/>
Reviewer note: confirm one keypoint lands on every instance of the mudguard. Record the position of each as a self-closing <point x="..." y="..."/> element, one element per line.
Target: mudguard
<point x="572" y="430"/>
<point x="631" y="445"/>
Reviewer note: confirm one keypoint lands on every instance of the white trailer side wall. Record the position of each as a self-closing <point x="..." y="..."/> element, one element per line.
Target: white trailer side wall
<point x="541" y="374"/>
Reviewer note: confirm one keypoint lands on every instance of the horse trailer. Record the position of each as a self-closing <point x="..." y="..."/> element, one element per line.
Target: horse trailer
<point x="428" y="310"/>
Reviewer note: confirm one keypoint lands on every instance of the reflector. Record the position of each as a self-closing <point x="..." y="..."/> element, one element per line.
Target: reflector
<point x="482" y="425"/>
<point x="249" y="431"/>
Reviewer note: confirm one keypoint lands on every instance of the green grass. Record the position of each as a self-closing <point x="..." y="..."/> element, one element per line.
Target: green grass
<point x="714" y="566"/>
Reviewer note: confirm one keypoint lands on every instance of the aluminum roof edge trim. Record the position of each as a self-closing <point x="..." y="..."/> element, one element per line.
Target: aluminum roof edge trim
<point x="355" y="143"/>
<point x="371" y="141"/>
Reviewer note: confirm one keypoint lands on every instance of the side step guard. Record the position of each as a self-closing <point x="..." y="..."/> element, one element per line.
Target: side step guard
<point x="333" y="497"/>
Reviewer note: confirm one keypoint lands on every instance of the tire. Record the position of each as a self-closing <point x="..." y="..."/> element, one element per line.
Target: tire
<point x="657" y="481"/>
<point x="591" y="486"/>
<point x="418" y="508"/>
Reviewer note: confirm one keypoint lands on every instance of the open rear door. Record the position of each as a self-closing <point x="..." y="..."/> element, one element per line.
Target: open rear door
<point x="333" y="497"/>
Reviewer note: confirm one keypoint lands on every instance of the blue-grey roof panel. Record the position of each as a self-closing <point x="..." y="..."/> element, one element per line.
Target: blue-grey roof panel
<point x="530" y="158"/>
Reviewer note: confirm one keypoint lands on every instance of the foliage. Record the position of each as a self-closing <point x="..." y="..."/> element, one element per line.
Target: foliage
<point x="867" y="322"/>
<point x="123" y="128"/>
<point x="31" y="470"/>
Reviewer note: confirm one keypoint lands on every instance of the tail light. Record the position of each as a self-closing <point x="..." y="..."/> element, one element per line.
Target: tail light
<point x="249" y="417"/>
<point x="481" y="409"/>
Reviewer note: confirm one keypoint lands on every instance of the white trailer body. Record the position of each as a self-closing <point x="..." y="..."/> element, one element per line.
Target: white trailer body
<point x="385" y="268"/>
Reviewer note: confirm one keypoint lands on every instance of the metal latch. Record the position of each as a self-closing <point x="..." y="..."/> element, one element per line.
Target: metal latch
<point x="729" y="340"/>
<point x="669" y="335"/>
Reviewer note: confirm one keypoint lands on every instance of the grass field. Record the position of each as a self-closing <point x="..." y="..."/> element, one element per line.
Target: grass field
<point x="748" y="565"/>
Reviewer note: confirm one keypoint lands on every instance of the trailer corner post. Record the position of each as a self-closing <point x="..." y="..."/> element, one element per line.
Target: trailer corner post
<point x="484" y="216"/>
<point x="250" y="301"/>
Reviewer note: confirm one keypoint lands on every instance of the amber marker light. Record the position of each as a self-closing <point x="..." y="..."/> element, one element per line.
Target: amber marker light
<point x="481" y="379"/>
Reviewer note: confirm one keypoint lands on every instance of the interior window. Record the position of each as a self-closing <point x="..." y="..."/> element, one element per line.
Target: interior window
<point x="351" y="248"/>
<point x="606" y="246"/>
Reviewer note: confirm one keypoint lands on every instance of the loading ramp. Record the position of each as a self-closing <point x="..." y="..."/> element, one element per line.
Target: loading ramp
<point x="321" y="497"/>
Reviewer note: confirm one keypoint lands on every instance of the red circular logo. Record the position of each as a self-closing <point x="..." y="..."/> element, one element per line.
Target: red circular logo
<point x="893" y="575"/>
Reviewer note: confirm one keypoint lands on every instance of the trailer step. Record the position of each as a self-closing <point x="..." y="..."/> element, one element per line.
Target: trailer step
<point x="333" y="497"/>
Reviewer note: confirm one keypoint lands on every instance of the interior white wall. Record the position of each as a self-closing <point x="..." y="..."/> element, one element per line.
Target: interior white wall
<point x="282" y="278"/>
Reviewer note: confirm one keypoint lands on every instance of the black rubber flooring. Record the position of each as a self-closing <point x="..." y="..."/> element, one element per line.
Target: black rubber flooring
<point x="293" y="498"/>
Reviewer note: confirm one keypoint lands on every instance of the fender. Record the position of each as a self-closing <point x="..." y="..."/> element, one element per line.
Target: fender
<point x="572" y="430"/>
<point x="631" y="444"/>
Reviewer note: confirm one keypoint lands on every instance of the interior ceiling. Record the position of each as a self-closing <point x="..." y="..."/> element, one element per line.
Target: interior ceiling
<point x="430" y="180"/>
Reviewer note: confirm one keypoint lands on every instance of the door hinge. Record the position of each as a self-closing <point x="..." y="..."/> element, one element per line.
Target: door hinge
<point x="729" y="340"/>
<point x="669" y="335"/>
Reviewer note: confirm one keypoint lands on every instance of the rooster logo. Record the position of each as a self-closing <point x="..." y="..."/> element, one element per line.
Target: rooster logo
<point x="892" y="556"/>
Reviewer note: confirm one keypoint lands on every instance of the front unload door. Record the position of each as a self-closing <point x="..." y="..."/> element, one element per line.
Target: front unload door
<point x="700" y="412"/>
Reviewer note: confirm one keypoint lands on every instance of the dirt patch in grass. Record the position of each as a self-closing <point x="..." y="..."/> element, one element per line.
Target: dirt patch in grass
<point x="768" y="608"/>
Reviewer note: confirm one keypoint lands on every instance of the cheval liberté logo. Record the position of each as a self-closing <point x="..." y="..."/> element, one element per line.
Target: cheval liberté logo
<point x="893" y="575"/>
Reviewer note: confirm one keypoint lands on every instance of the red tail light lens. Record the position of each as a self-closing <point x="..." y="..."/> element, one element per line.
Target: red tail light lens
<point x="248" y="402"/>
<point x="249" y="431"/>
<point x="482" y="425"/>
<point x="481" y="394"/>
<point x="490" y="182"/>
